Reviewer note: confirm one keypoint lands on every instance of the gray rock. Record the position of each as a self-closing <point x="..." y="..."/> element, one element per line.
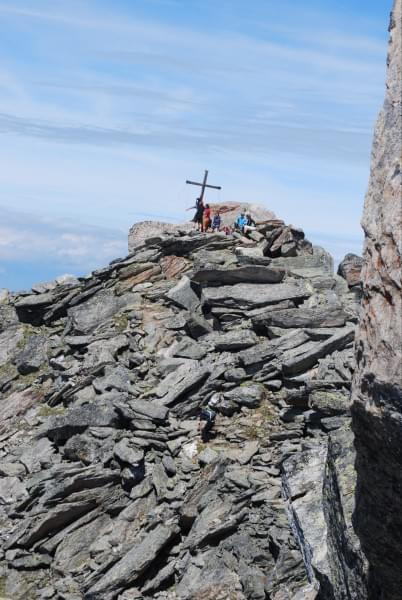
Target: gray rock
<point x="319" y="486"/>
<point x="186" y="384"/>
<point x="307" y="355"/>
<point x="61" y="427"/>
<point x="188" y="348"/>
<point x="329" y="403"/>
<point x="160" y="480"/>
<point x="169" y="465"/>
<point x="74" y="551"/>
<point x="133" y="564"/>
<point x="197" y="326"/>
<point x="102" y="306"/>
<point x="149" y="409"/>
<point x="231" y="341"/>
<point x="124" y="453"/>
<point x="249" y="395"/>
<point x="183" y="295"/>
<point x="350" y="269"/>
<point x="10" y="341"/>
<point x="33" y="356"/>
<point x="207" y="456"/>
<point x="320" y="316"/>
<point x="267" y="350"/>
<point x="245" y="274"/>
<point x="11" y="490"/>
<point x="244" y="295"/>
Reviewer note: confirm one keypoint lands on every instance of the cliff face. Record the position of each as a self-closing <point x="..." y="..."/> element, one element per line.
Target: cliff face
<point x="107" y="489"/>
<point x="377" y="389"/>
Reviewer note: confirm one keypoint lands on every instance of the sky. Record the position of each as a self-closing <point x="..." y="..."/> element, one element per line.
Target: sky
<point x="108" y="106"/>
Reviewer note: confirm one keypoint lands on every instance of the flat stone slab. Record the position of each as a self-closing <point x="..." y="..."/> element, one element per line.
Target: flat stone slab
<point x="252" y="295"/>
<point x="307" y="356"/>
<point x="137" y="560"/>
<point x="321" y="316"/>
<point x="244" y="274"/>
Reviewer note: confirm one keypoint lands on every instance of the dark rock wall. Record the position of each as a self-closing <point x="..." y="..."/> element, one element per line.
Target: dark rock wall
<point x="377" y="389"/>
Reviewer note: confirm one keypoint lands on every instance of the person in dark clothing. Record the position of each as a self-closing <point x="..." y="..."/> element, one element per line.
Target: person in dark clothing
<point x="250" y="225"/>
<point x="199" y="213"/>
<point x="216" y="221"/>
<point x="207" y="421"/>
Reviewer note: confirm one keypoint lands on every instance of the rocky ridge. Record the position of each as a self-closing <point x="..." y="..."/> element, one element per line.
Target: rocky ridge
<point x="107" y="489"/>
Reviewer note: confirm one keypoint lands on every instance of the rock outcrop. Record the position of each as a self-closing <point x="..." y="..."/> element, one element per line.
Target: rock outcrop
<point x="350" y="269"/>
<point x="229" y="211"/>
<point x="107" y="488"/>
<point x="377" y="389"/>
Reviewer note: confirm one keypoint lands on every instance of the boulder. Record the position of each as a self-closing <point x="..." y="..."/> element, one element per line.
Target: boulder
<point x="183" y="295"/>
<point x="350" y="269"/>
<point x="33" y="356"/>
<point x="61" y="427"/>
<point x="95" y="311"/>
<point x="231" y="341"/>
<point x="250" y="395"/>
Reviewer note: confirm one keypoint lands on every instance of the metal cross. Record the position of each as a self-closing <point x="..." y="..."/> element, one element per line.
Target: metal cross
<point x="204" y="185"/>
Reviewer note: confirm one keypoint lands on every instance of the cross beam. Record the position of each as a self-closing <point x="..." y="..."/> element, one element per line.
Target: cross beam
<point x="204" y="185"/>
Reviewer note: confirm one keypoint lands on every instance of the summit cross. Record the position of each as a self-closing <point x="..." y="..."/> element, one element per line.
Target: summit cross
<point x="204" y="185"/>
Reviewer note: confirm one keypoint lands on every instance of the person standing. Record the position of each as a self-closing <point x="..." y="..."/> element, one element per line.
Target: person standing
<point x="206" y="218"/>
<point x="199" y="212"/>
<point x="216" y="221"/>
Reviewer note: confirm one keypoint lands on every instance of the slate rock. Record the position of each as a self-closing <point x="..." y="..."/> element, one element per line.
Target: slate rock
<point x="329" y="403"/>
<point x="149" y="409"/>
<point x="33" y="356"/>
<point x="243" y="274"/>
<point x="61" y="427"/>
<point x="124" y="453"/>
<point x="320" y="316"/>
<point x="231" y="341"/>
<point x="250" y="395"/>
<point x="183" y="295"/>
<point x="133" y="564"/>
<point x="100" y="307"/>
<point x="307" y="355"/>
<point x="197" y="326"/>
<point x="11" y="490"/>
<point x="243" y="295"/>
<point x="350" y="269"/>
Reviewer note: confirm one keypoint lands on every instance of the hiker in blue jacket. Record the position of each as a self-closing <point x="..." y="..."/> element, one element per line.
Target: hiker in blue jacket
<point x="240" y="222"/>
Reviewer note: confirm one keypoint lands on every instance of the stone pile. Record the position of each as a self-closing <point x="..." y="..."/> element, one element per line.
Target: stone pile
<point x="107" y="489"/>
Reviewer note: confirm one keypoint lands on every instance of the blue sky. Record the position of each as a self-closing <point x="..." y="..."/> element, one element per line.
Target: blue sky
<point x="107" y="107"/>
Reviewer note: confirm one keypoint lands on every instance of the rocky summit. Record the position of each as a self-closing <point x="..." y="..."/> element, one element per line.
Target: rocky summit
<point x="108" y="490"/>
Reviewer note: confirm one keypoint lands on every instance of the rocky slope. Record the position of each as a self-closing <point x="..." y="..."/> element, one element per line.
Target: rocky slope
<point x="377" y="392"/>
<point x="107" y="489"/>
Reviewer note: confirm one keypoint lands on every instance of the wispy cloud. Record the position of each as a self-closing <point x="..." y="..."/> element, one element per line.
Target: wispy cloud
<point x="33" y="237"/>
<point x="105" y="107"/>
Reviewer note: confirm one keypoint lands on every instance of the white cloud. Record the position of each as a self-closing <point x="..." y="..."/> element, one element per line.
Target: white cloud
<point x="32" y="237"/>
